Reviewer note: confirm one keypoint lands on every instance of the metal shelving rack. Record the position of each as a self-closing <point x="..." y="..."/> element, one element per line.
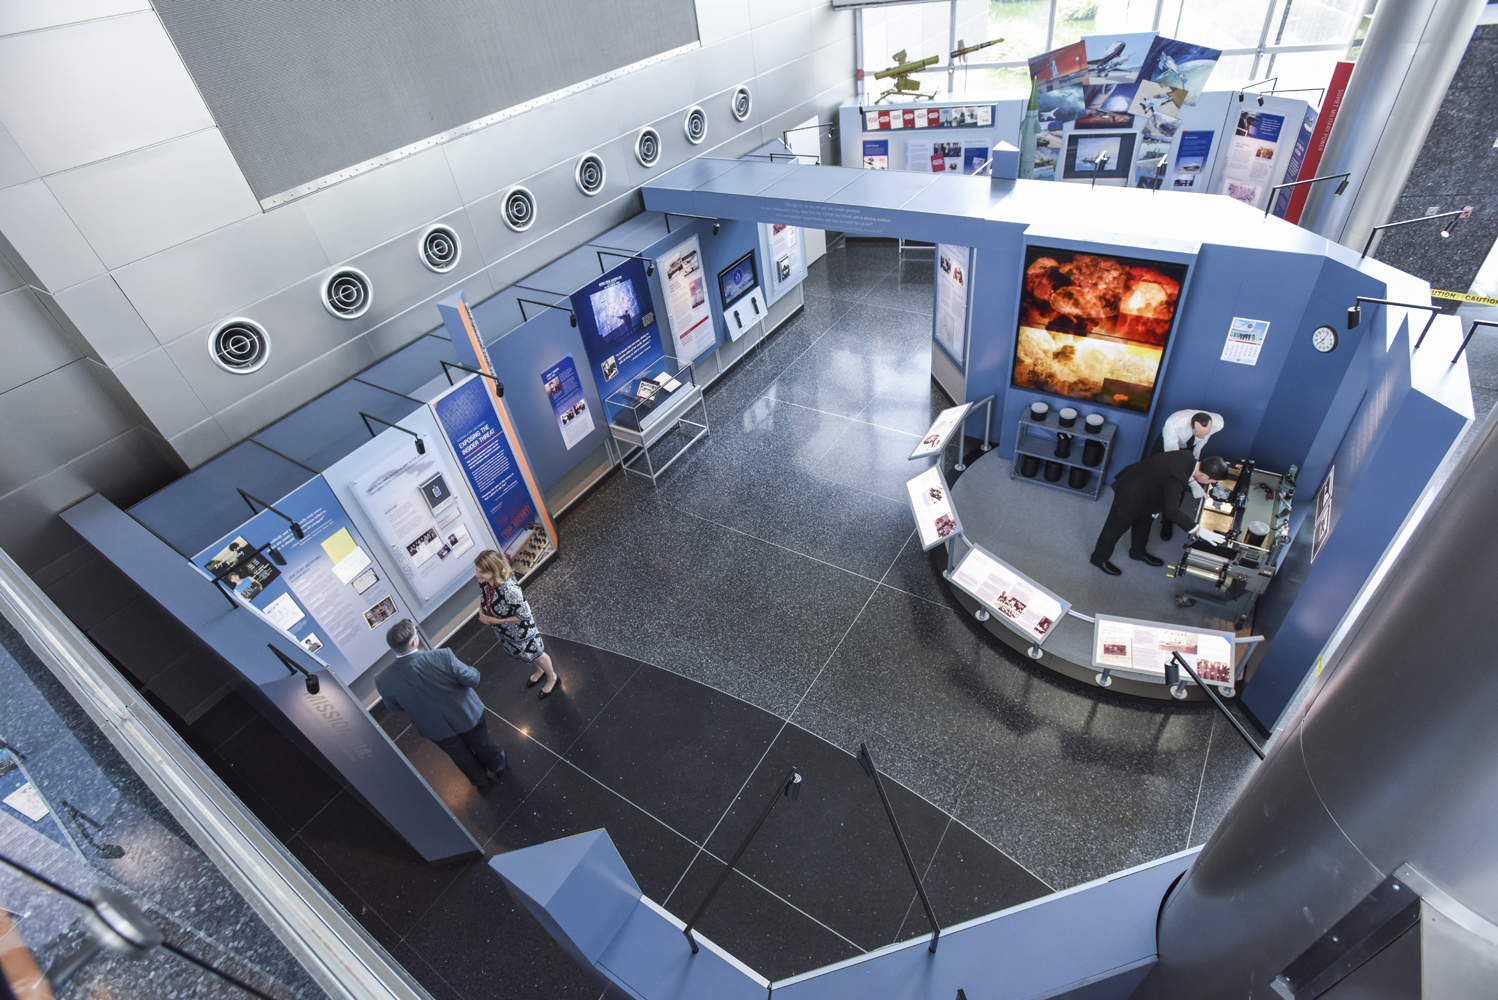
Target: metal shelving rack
<point x="1043" y="447"/>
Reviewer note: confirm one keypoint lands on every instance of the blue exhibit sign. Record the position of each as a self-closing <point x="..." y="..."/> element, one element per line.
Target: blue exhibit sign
<point x="1297" y="158"/>
<point x="499" y="479"/>
<point x="564" y="390"/>
<point x="323" y="588"/>
<point x="616" y="318"/>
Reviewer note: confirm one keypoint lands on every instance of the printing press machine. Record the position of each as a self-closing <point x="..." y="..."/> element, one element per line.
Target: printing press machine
<point x="1240" y="569"/>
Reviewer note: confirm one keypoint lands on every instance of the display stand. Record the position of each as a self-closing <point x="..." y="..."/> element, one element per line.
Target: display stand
<point x="1043" y="447"/>
<point x="648" y="408"/>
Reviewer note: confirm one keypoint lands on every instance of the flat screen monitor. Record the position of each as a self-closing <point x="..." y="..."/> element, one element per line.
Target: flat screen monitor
<point x="1094" y="326"/>
<point x="1102" y="157"/>
<point x="738" y="279"/>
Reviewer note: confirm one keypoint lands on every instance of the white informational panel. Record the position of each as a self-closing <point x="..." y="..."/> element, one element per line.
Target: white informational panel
<point x="931" y="503"/>
<point x="369" y="481"/>
<point x="941" y="431"/>
<point x="1143" y="648"/>
<point x="688" y="309"/>
<point x="953" y="273"/>
<point x="784" y="249"/>
<point x="1021" y="603"/>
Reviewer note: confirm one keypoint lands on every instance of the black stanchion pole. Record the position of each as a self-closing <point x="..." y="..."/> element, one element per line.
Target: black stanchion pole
<point x="867" y="760"/>
<point x="1253" y="744"/>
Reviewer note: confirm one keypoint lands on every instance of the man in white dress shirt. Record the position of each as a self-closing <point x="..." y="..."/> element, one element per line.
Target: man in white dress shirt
<point x="1185" y="429"/>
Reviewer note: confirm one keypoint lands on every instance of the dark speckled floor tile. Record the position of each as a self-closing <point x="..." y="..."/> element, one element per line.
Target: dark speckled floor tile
<point x="92" y="593"/>
<point x="482" y="810"/>
<point x="873" y="459"/>
<point x="1230" y="766"/>
<point x="483" y="944"/>
<point x="570" y="802"/>
<point x="430" y="979"/>
<point x="831" y="379"/>
<point x="900" y="338"/>
<point x="918" y="572"/>
<point x="688" y="781"/>
<point x="849" y="271"/>
<point x="909" y="286"/>
<point x="763" y="931"/>
<point x="376" y="864"/>
<point x="367" y="912"/>
<point x="969" y="878"/>
<point x="590" y="678"/>
<point x="831" y="852"/>
<point x="260" y="757"/>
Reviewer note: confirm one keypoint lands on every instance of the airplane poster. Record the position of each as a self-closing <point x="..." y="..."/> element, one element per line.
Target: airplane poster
<point x="1116" y="58"/>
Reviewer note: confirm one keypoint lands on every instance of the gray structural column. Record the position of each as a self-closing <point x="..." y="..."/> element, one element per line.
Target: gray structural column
<point x="1392" y="760"/>
<point x="1406" y="63"/>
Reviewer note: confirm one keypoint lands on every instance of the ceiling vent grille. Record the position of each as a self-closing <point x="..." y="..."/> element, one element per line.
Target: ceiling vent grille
<point x="346" y="293"/>
<point x="239" y="346"/>
<point x="695" y="125"/>
<point x="589" y="174"/>
<point x="743" y="101"/>
<point x="440" y="249"/>
<point x="648" y="147"/>
<point x="520" y="209"/>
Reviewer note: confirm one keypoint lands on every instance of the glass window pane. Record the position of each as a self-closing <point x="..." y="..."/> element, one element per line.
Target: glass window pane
<point x="1222" y="24"/>
<point x="1235" y="71"/>
<point x="1303" y="69"/>
<point x="1074" y="18"/>
<point x="1118" y="17"/>
<point x="1314" y="21"/>
<point x="1022" y="24"/>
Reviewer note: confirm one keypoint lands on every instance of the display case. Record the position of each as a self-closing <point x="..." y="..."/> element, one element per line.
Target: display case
<point x="648" y="408"/>
<point x="1039" y="441"/>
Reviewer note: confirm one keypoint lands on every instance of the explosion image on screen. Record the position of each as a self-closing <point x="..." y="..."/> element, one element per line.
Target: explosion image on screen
<point x="1094" y="327"/>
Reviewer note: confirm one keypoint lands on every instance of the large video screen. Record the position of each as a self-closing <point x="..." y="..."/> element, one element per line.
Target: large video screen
<point x="1093" y="327"/>
<point x="736" y="280"/>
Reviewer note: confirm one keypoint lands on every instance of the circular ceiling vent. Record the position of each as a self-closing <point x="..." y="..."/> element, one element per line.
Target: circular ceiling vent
<point x="520" y="209"/>
<point x="742" y="102"/>
<point x="648" y="147"/>
<point x="440" y="248"/>
<point x="695" y="125"/>
<point x="239" y="346"/>
<point x="346" y="293"/>
<point x="589" y="174"/>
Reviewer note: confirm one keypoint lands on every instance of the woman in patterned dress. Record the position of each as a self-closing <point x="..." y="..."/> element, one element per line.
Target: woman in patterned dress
<point x="505" y="609"/>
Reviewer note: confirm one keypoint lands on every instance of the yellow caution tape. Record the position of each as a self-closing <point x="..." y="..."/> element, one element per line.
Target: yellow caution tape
<point x="1463" y="297"/>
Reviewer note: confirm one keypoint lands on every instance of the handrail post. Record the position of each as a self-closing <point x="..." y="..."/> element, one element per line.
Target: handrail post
<point x="866" y="760"/>
<point x="791" y="789"/>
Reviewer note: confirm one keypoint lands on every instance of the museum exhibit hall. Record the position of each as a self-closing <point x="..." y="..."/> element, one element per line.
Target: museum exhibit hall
<point x="705" y="499"/>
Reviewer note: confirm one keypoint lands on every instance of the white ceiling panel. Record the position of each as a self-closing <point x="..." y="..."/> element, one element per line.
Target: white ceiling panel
<point x="45" y="237"/>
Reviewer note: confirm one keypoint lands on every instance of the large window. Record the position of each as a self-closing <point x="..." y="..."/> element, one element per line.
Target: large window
<point x="1297" y="41"/>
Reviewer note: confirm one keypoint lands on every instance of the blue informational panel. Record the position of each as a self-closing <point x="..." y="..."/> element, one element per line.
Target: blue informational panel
<point x="617" y="320"/>
<point x="323" y="588"/>
<point x="476" y="432"/>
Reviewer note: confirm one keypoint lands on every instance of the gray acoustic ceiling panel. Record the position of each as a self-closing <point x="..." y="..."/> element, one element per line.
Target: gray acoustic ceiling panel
<point x="302" y="91"/>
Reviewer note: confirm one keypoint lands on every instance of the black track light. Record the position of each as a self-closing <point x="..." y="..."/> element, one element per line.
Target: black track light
<point x="1261" y="100"/>
<point x="421" y="447"/>
<point x="715" y="227"/>
<point x="1341" y="187"/>
<point x="650" y="269"/>
<point x="275" y="555"/>
<point x="573" y="319"/>
<point x="1354" y="316"/>
<point x="1240" y="97"/>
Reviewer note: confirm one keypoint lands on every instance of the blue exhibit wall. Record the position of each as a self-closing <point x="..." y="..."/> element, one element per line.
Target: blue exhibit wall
<point x="1396" y="440"/>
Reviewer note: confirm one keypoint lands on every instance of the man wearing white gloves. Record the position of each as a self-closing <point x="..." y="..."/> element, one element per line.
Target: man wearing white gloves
<point x="1156" y="485"/>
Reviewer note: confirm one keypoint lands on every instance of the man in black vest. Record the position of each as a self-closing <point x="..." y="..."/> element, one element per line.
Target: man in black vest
<point x="1156" y="485"/>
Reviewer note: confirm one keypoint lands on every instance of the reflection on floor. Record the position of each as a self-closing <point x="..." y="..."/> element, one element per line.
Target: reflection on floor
<point x="766" y="606"/>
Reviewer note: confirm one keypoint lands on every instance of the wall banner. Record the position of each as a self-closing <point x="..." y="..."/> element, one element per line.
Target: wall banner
<point x="565" y="391"/>
<point x="616" y="318"/>
<point x="475" y="427"/>
<point x="953" y="270"/>
<point x="687" y="308"/>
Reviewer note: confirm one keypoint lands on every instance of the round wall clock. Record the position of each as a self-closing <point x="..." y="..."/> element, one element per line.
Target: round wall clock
<point x="1324" y="339"/>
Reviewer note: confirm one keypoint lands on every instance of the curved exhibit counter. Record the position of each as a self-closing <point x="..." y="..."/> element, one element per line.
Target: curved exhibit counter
<point x="1048" y="535"/>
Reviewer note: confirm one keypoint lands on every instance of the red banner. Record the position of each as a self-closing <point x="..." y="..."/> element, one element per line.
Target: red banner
<point x="1335" y="91"/>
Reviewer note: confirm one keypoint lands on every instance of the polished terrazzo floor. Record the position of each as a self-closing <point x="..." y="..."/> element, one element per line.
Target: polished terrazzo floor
<point x="766" y="606"/>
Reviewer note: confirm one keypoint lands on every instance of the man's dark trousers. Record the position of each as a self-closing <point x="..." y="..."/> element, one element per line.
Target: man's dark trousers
<point x="474" y="751"/>
<point x="1114" y="528"/>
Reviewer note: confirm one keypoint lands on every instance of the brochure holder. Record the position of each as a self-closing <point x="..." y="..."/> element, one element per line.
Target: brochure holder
<point x="650" y="406"/>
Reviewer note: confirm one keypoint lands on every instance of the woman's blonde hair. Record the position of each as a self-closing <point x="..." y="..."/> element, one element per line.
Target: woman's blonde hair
<point x="494" y="563"/>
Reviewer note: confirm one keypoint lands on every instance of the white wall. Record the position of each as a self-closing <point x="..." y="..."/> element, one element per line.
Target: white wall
<point x="125" y="218"/>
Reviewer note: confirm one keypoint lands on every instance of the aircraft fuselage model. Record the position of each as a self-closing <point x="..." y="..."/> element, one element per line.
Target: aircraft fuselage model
<point x="1109" y="60"/>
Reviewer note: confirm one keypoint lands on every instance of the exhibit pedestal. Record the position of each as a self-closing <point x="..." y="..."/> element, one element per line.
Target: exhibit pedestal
<point x="644" y="421"/>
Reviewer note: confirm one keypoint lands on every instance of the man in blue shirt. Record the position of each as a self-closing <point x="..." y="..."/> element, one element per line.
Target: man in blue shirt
<point x="437" y="689"/>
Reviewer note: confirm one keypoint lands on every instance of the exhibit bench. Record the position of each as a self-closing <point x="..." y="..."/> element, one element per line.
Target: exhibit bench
<point x="1096" y="940"/>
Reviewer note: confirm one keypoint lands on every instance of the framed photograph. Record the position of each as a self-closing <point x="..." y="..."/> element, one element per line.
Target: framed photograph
<point x="1099" y="156"/>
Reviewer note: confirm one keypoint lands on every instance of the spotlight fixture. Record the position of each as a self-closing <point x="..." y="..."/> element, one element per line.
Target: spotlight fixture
<point x="649" y="264"/>
<point x="296" y="529"/>
<point x="1465" y="212"/>
<point x="689" y="215"/>
<point x="1309" y="180"/>
<point x="313" y="685"/>
<point x="421" y="446"/>
<point x="1354" y="316"/>
<point x="1355" y="313"/>
<point x="1341" y="187"/>
<point x="1261" y="100"/>
<point x="547" y="305"/>
<point x="715" y="227"/>
<point x="275" y="555"/>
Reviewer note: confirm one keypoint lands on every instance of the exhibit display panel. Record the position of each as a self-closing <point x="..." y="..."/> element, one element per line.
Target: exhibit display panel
<point x="473" y="423"/>
<point x="931" y="503"/>
<point x="1143" y="649"/>
<point x="617" y="319"/>
<point x="1018" y="601"/>
<point x="1095" y="327"/>
<point x="688" y="309"/>
<point x="941" y="430"/>
<point x="323" y="589"/>
<point x="784" y="247"/>
<point x="953" y="288"/>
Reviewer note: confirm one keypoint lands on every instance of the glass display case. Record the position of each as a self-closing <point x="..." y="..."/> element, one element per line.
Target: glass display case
<point x="650" y="407"/>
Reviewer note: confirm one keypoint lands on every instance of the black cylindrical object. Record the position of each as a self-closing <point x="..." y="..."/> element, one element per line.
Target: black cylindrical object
<point x="1092" y="452"/>
<point x="1053" y="472"/>
<point x="1038" y="412"/>
<point x="1066" y="416"/>
<point x="1079" y="478"/>
<point x="1094" y="423"/>
<point x="1376" y="769"/>
<point x="1063" y="446"/>
<point x="1029" y="465"/>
